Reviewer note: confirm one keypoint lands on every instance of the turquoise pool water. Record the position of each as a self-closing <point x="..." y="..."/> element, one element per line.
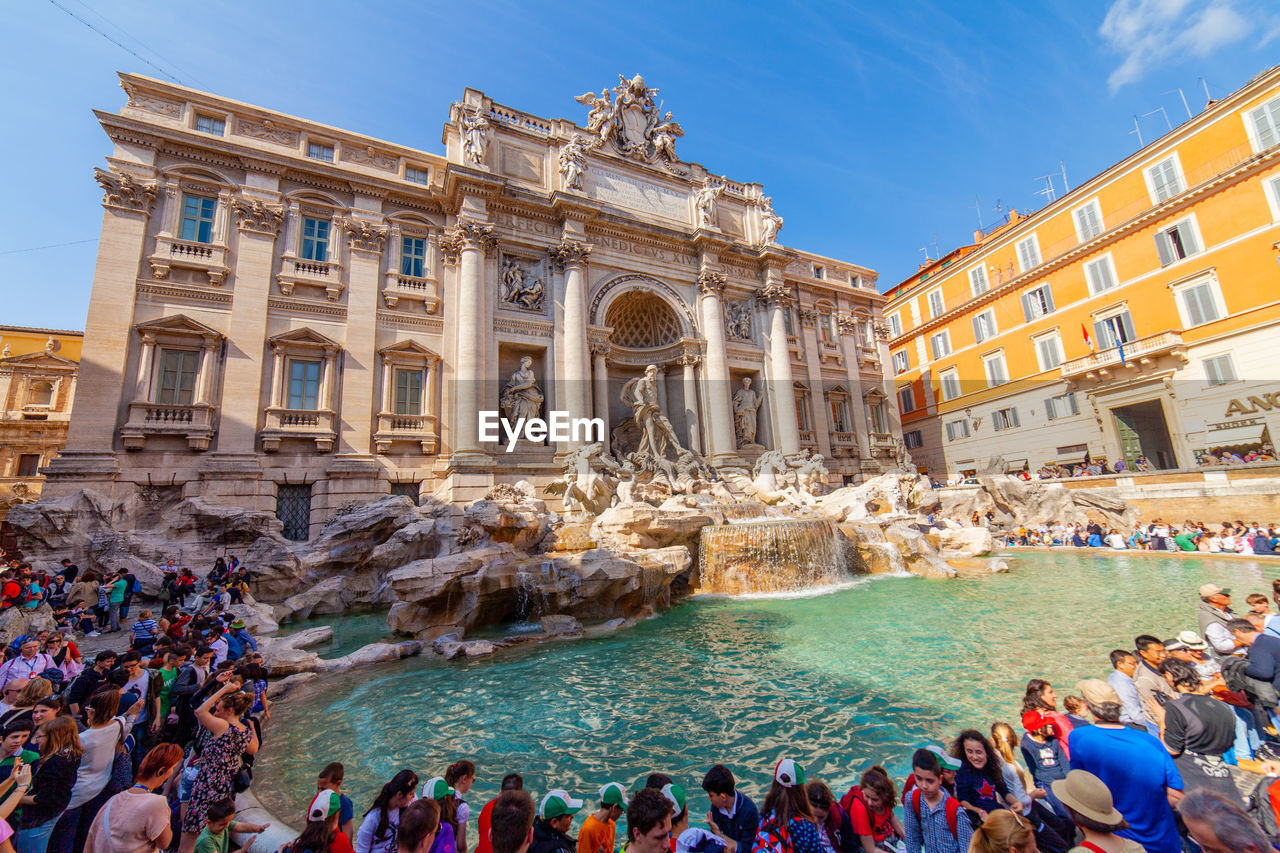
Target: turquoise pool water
<point x="840" y="681"/>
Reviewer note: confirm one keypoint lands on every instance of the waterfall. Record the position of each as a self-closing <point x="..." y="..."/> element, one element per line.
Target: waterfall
<point x="780" y="555"/>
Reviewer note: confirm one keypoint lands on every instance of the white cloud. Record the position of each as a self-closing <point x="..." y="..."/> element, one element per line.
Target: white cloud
<point x="1148" y="32"/>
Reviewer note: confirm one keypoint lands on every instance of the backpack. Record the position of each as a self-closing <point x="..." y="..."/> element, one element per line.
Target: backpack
<point x="1259" y="806"/>
<point x="772" y="838"/>
<point x="953" y="811"/>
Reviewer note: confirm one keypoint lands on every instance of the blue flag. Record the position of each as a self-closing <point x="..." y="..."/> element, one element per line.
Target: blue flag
<point x="1120" y="346"/>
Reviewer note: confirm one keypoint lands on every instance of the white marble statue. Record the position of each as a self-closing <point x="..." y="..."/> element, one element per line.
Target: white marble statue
<point x="767" y="481"/>
<point x="631" y="117"/>
<point x="664" y="137"/>
<point x="573" y="162"/>
<point x="583" y="487"/>
<point x="811" y="475"/>
<point x="746" y="406"/>
<point x="738" y="316"/>
<point x="657" y="436"/>
<point x="770" y="222"/>
<point x="522" y="398"/>
<point x="520" y="287"/>
<point x="705" y="202"/>
<point x="475" y="135"/>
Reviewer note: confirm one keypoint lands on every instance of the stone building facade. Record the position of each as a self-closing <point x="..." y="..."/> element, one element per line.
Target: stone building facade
<point x="288" y="316"/>
<point x="37" y="385"/>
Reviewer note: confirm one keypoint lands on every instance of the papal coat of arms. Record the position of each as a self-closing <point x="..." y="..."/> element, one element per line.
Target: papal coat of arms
<point x="632" y="119"/>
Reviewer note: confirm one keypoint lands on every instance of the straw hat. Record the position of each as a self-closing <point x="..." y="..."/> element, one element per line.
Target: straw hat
<point x="1088" y="795"/>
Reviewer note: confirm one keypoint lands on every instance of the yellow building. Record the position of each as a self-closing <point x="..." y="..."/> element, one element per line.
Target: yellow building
<point x="1134" y="316"/>
<point x="37" y="384"/>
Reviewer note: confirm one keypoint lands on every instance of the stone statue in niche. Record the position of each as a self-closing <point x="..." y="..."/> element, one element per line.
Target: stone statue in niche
<point x="738" y="315"/>
<point x="746" y="407"/>
<point x="573" y="162"/>
<point x="475" y="134"/>
<point x="771" y="222"/>
<point x="521" y="287"/>
<point x="705" y="202"/>
<point x="657" y="436"/>
<point x="521" y="398"/>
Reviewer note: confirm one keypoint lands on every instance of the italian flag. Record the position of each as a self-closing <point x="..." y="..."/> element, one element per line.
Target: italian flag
<point x="1085" y="331"/>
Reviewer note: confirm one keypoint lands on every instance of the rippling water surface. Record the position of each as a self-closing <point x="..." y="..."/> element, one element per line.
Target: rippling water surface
<point x="859" y="676"/>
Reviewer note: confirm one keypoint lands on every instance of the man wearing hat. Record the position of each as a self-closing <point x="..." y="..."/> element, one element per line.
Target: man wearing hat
<point x="239" y="640"/>
<point x="1092" y="810"/>
<point x="1133" y="765"/>
<point x="551" y="829"/>
<point x="1189" y="647"/>
<point x="600" y="829"/>
<point x="1214" y="614"/>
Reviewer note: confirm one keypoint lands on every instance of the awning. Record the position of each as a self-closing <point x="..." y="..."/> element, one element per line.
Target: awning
<point x="1241" y="436"/>
<point x="1014" y="464"/>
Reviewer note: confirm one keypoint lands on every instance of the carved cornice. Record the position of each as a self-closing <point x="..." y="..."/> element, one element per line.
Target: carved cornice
<point x="530" y="328"/>
<point x="257" y="216"/>
<point x="775" y="294"/>
<point x="265" y="167"/>
<point x="571" y="253"/>
<point x="365" y="236"/>
<point x="711" y="283"/>
<point x="466" y="235"/>
<point x="123" y="192"/>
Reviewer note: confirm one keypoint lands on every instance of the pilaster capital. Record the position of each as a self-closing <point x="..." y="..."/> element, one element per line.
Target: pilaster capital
<point x="365" y="236"/>
<point x="711" y="283"/>
<point x="598" y="342"/>
<point x="881" y="330"/>
<point x="122" y="191"/>
<point x="847" y="324"/>
<point x="571" y="253"/>
<point x="690" y="359"/>
<point x="466" y="235"/>
<point x="257" y="216"/>
<point x="808" y="317"/>
<point x="775" y="294"/>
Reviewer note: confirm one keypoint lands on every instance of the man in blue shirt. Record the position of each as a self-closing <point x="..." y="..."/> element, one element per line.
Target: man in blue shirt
<point x="1135" y="767"/>
<point x="1124" y="664"/>
<point x="732" y="810"/>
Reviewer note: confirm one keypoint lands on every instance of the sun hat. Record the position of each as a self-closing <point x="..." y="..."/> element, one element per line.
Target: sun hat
<point x="946" y="759"/>
<point x="788" y="773"/>
<point x="1174" y="645"/>
<point x="1209" y="589"/>
<point x="1096" y="691"/>
<point x="324" y="805"/>
<point x="1088" y="795"/>
<point x="1192" y="640"/>
<point x="676" y="796"/>
<point x="237" y="624"/>
<point x="613" y="794"/>
<point x="558" y="803"/>
<point x="436" y="788"/>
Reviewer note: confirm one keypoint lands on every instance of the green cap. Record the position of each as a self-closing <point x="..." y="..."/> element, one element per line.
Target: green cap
<point x="558" y="803"/>
<point x="948" y="761"/>
<point x="675" y="794"/>
<point x="436" y="788"/>
<point x="613" y="794"/>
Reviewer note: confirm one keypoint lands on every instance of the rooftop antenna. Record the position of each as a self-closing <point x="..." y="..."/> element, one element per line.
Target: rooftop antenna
<point x="1048" y="191"/>
<point x="1066" y="187"/>
<point x="999" y="211"/>
<point x="1163" y="113"/>
<point x="1138" y="131"/>
<point x="1184" y="100"/>
<point x="977" y="206"/>
<point x="937" y="253"/>
<point x="926" y="254"/>
<point x="1204" y="83"/>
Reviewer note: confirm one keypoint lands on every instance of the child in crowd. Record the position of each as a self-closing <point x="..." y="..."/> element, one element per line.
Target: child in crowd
<point x="221" y="822"/>
<point x="933" y="821"/>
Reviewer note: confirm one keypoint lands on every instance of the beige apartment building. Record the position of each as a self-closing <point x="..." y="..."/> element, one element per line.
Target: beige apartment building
<point x="287" y="316"/>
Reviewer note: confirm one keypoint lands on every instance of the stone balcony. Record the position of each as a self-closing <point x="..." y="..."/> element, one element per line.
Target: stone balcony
<point x="315" y="424"/>
<point x="326" y="275"/>
<point x="194" y="422"/>
<point x="209" y="258"/>
<point x="844" y="444"/>
<point x="1143" y="356"/>
<point x="416" y="428"/>
<point x="411" y="289"/>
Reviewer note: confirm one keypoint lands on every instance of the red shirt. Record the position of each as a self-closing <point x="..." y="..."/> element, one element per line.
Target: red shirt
<point x="879" y="825"/>
<point x="340" y="843"/>
<point x="486" y="815"/>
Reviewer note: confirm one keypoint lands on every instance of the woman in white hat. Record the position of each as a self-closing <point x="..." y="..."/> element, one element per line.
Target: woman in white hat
<point x="1088" y="802"/>
<point x="787" y="823"/>
<point x="321" y="834"/>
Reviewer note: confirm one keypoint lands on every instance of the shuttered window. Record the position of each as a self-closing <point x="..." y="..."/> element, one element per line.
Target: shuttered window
<point x="984" y="325"/>
<point x="1165" y="183"/>
<point x="936" y="306"/>
<point x="950" y="385"/>
<point x="1049" y="351"/>
<point x="1101" y="274"/>
<point x="1028" y="253"/>
<point x="978" y="280"/>
<point x="1064" y="405"/>
<point x="1002" y="419"/>
<point x="1089" y="220"/>
<point x="1266" y="123"/>
<point x="1219" y="370"/>
<point x="1114" y="330"/>
<point x="1198" y="303"/>
<point x="997" y="372"/>
<point x="940" y="344"/>
<point x="1038" y="302"/>
<point x="957" y="429"/>
<point x="1177" y="242"/>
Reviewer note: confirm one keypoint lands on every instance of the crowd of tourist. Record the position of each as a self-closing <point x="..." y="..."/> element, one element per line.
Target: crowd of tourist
<point x="144" y="747"/>
<point x="1228" y="537"/>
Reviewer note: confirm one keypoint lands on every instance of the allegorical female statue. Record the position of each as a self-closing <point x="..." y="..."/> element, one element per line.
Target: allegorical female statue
<point x="746" y="403"/>
<point x="522" y="399"/>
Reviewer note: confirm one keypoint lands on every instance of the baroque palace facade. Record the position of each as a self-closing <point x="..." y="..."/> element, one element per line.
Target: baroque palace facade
<point x="286" y="316"/>
<point x="1134" y="316"/>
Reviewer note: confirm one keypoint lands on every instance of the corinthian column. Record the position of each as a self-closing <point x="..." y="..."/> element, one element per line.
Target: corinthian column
<point x="466" y="244"/>
<point x="723" y="447"/>
<point x="782" y="396"/>
<point x="572" y="256"/>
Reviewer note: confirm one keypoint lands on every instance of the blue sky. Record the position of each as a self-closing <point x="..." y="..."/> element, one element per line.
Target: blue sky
<point x="874" y="125"/>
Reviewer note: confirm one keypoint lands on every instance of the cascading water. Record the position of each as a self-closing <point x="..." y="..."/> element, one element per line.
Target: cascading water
<point x="781" y="555"/>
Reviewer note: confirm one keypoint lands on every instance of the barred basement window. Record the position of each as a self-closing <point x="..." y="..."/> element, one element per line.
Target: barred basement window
<point x="293" y="508"/>
<point x="408" y="490"/>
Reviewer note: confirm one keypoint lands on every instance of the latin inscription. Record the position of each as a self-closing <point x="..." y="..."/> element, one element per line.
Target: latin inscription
<point x="638" y="195"/>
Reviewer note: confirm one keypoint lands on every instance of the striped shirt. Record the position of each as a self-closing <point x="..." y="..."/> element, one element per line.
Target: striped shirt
<point x="145" y="629"/>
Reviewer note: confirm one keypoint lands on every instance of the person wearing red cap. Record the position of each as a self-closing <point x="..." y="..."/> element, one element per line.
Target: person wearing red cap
<point x="1045" y="758"/>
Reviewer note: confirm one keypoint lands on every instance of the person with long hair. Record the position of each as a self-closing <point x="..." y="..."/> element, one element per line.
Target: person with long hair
<point x="321" y="834"/>
<point x="1052" y="832"/>
<point x="106" y="731"/>
<point x="870" y="805"/>
<point x="980" y="786"/>
<point x="439" y="790"/>
<point x="787" y="821"/>
<point x="60" y="752"/>
<point x="1041" y="697"/>
<point x="835" y="832"/>
<point x="461" y="775"/>
<point x="137" y="818"/>
<point x="377" y="833"/>
<point x="1004" y="832"/>
<point x="222" y="740"/>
